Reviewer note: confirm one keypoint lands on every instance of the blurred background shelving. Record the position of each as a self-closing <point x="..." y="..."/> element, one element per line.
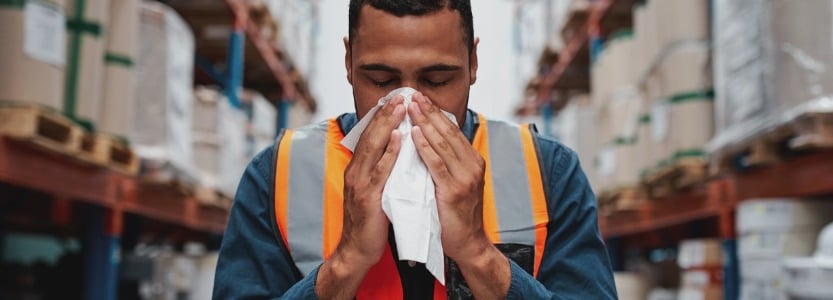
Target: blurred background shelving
<point x="703" y="127"/>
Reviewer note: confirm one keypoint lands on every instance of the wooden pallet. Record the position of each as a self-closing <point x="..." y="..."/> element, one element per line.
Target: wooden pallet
<point x="679" y="175"/>
<point x="813" y="130"/>
<point x="109" y="152"/>
<point x="807" y="132"/>
<point x="627" y="198"/>
<point x="40" y="126"/>
<point x="212" y="197"/>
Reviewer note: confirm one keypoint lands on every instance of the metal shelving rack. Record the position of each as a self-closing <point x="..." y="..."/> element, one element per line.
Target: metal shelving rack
<point x="66" y="182"/>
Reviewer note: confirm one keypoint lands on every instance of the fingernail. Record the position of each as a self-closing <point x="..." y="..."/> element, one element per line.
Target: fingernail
<point x="399" y="108"/>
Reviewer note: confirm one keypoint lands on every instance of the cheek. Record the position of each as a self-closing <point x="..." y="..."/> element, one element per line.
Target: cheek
<point x="366" y="98"/>
<point x="450" y="98"/>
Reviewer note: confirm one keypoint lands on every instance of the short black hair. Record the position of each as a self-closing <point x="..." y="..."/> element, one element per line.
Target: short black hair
<point x="401" y="8"/>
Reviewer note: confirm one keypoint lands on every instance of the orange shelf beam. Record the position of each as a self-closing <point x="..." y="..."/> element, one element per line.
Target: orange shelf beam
<point x="67" y="179"/>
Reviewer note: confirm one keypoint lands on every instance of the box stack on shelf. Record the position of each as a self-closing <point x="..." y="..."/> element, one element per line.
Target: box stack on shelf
<point x="771" y="231"/>
<point x="219" y="132"/>
<point x="701" y="262"/>
<point x="163" y="112"/>
<point x="261" y="128"/>
<point x="772" y="68"/>
<point x="84" y="84"/>
<point x="652" y="93"/>
<point x="675" y="82"/>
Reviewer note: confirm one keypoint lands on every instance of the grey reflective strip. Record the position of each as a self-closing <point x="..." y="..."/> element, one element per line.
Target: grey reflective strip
<point x="305" y="197"/>
<point x="510" y="184"/>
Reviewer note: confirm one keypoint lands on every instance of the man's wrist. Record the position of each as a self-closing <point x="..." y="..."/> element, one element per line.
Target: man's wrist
<point x="339" y="275"/>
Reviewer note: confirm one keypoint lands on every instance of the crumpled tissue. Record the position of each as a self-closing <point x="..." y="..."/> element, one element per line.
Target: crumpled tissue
<point x="408" y="198"/>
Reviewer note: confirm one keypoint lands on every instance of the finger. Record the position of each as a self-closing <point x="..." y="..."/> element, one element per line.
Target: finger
<point x="438" y="120"/>
<point x="442" y="146"/>
<point x="376" y="136"/>
<point x="388" y="160"/>
<point x="435" y="164"/>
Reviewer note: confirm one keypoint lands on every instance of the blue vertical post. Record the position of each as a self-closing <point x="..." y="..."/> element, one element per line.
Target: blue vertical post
<point x="731" y="270"/>
<point x="234" y="70"/>
<point x="546" y="118"/>
<point x="615" y="253"/>
<point x="101" y="255"/>
<point x="283" y="113"/>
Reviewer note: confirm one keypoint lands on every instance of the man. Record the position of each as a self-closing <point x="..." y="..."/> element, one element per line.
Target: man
<point x="517" y="215"/>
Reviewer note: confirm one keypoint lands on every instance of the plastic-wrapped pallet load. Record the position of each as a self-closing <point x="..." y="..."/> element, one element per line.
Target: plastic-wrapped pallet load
<point x="219" y="142"/>
<point x="810" y="277"/>
<point x="702" y="264"/>
<point x="163" y="108"/>
<point x="262" y="123"/>
<point x="119" y="72"/>
<point x="771" y="230"/>
<point x="33" y="47"/>
<point x="86" y="29"/>
<point x="772" y="63"/>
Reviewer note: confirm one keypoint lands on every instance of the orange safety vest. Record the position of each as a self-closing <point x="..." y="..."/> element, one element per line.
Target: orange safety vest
<point x="309" y="182"/>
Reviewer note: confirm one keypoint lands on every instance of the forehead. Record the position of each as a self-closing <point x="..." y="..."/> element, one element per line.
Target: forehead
<point x="437" y="33"/>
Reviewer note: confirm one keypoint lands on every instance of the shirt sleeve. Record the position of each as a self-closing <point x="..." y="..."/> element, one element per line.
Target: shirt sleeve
<point x="252" y="261"/>
<point x="575" y="263"/>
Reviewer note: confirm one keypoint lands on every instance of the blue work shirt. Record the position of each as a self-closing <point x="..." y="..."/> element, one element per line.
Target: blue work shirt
<point x="253" y="263"/>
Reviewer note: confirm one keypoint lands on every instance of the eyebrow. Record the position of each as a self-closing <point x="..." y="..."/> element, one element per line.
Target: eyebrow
<point x="389" y="69"/>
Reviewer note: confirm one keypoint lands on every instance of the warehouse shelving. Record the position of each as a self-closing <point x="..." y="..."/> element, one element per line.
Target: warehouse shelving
<point x="111" y="199"/>
<point x="571" y="71"/>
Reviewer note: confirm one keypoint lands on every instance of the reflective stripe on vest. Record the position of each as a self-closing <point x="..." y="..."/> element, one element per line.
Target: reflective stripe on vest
<point x="309" y="183"/>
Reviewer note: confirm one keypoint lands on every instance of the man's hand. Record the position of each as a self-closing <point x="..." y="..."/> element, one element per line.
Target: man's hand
<point x="458" y="172"/>
<point x="364" y="233"/>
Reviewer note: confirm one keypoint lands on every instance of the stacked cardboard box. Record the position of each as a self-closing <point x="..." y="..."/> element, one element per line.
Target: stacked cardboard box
<point x="702" y="264"/>
<point x="674" y="67"/>
<point x="119" y="90"/>
<point x="771" y="230"/>
<point x="262" y="124"/>
<point x="33" y="47"/>
<point x="617" y="105"/>
<point x="576" y="129"/>
<point x="86" y="33"/>
<point x="219" y="142"/>
<point x="772" y="61"/>
<point x="163" y="110"/>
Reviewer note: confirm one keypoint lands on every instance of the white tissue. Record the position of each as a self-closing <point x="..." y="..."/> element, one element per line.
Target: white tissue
<point x="408" y="198"/>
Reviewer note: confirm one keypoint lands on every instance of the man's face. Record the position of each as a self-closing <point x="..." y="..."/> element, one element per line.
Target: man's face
<point x="425" y="52"/>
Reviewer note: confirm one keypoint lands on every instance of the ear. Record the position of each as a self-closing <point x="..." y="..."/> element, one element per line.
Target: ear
<point x="473" y="62"/>
<point x="348" y="60"/>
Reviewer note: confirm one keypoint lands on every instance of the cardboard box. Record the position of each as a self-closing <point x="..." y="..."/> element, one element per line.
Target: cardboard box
<point x="779" y="215"/>
<point x="262" y="123"/>
<point x="691" y="124"/>
<point x="85" y="49"/>
<point x="768" y="269"/>
<point x="163" y="110"/>
<point x="119" y="88"/>
<point x="685" y="69"/>
<point x="707" y="293"/>
<point x="681" y="20"/>
<point x="33" y="47"/>
<point x="630" y="286"/>
<point x="219" y="142"/>
<point x="700" y="253"/>
<point x="778" y="244"/>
